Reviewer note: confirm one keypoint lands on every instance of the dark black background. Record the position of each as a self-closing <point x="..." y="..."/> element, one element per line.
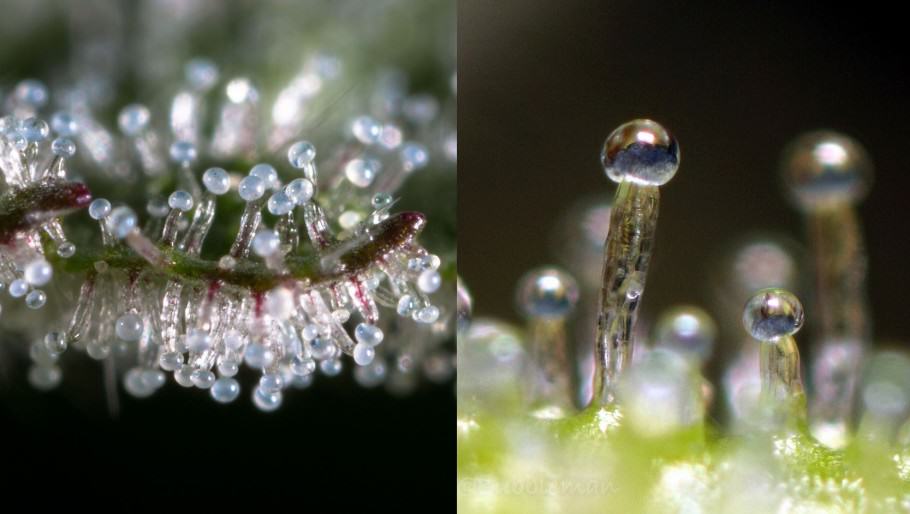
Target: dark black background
<point x="543" y="83"/>
<point x="333" y="444"/>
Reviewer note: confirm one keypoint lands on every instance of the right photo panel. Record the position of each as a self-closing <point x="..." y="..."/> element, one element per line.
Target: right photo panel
<point x="680" y="258"/>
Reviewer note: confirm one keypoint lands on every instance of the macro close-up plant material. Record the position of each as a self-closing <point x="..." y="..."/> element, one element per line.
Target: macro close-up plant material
<point x="682" y="310"/>
<point x="244" y="203"/>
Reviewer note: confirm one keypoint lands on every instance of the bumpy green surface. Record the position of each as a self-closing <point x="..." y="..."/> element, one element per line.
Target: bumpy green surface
<point x="593" y="461"/>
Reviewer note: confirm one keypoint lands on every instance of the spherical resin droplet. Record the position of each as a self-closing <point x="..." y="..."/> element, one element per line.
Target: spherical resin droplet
<point x="687" y="330"/>
<point x="331" y="367"/>
<point x="406" y="305"/>
<point x="129" y="327"/>
<point x="772" y="313"/>
<point x="44" y="378"/>
<point x="183" y="376"/>
<point x="824" y="168"/>
<point x="363" y="354"/>
<point x="202" y="378"/>
<point x="216" y="180"/>
<point x="240" y="90"/>
<point x="431" y="261"/>
<point x="361" y="172"/>
<point x="133" y="119"/>
<point x="265" y="243"/>
<point x="35" y="299"/>
<point x="366" y="130"/>
<point x="201" y="73"/>
<point x="429" y="281"/>
<point x="301" y="153"/>
<point x="266" y="401"/>
<point x="97" y="350"/>
<point x="63" y="147"/>
<point x="64" y="124"/>
<point x="302" y="367"/>
<point x="251" y="188"/>
<point x="309" y="332"/>
<point x="258" y="356"/>
<point x="55" y="343"/>
<point x="32" y="92"/>
<point x="228" y="367"/>
<point x="18" y="288"/>
<point x="226" y="262"/>
<point x="640" y="151"/>
<point x="414" y="156"/>
<point x="381" y="200"/>
<point x="198" y="341"/>
<point x="300" y="190"/>
<point x="153" y="378"/>
<point x="183" y="152"/>
<point x="38" y="272"/>
<point x="180" y="200"/>
<point x="66" y="249"/>
<point x="135" y="385"/>
<point x="370" y="335"/>
<point x="280" y="204"/>
<point x="348" y="220"/>
<point x="428" y="314"/>
<point x="391" y="137"/>
<point x="99" y="208"/>
<point x="547" y="293"/>
<point x="225" y="390"/>
<point x="321" y="348"/>
<point x="267" y="173"/>
<point x="34" y="129"/>
<point x="121" y="221"/>
<point x="170" y="361"/>
<point x="271" y="382"/>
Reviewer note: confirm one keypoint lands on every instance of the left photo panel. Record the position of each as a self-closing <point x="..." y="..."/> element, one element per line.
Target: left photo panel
<point x="228" y="246"/>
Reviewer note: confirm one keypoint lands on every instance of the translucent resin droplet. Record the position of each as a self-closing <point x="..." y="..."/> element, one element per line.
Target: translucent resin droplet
<point x="823" y="169"/>
<point x="771" y="314"/>
<point x="640" y="151"/>
<point x="547" y="293"/>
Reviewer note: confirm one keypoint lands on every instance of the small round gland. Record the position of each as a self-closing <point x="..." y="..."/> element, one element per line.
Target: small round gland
<point x="687" y="330"/>
<point x="640" y="151"/>
<point x="180" y="200"/>
<point x="121" y="221"/>
<point x="771" y="314"/>
<point x="547" y="293"/>
<point x="134" y="119"/>
<point x="825" y="169"/>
